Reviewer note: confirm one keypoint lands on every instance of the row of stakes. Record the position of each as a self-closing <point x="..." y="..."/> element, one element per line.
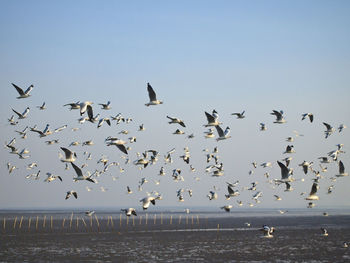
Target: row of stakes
<point x="110" y="222"/>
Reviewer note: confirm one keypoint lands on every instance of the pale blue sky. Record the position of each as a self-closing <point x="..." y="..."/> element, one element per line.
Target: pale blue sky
<point x="198" y="55"/>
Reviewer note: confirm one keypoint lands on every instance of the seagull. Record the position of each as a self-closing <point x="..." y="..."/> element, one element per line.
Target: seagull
<point x="227" y="208"/>
<point x="212" y="195"/>
<point x="257" y="195"/>
<point x="128" y="190"/>
<point x="89" y="212"/>
<point x="223" y="134"/>
<point x="23" y="94"/>
<point x="312" y="195"/>
<point x="43" y="133"/>
<point x="287" y="160"/>
<point x="324" y="232"/>
<point x="51" y="177"/>
<point x="31" y="166"/>
<point x="142" y="127"/>
<point x="105" y="106"/>
<point x="267" y="231"/>
<point x="279" y="116"/>
<point x="69" y="155"/>
<point x="176" y="120"/>
<point x="289" y="188"/>
<point x="239" y="115"/>
<point x="73" y="105"/>
<point x="231" y="192"/>
<point x="60" y="128"/>
<point x="342" y="172"/>
<point x="282" y="212"/>
<point x="329" y="129"/>
<point x="286" y="174"/>
<point x="178" y="132"/>
<point x="36" y="176"/>
<point x="341" y="127"/>
<point x="129" y="211"/>
<point x="152" y="96"/>
<point x="209" y="133"/>
<point x="212" y="120"/>
<point x="277" y="198"/>
<point x="310" y="115"/>
<point x="22" y="115"/>
<point x="262" y="127"/>
<point x="69" y="193"/>
<point x="324" y="159"/>
<point x="146" y="201"/>
<point x="102" y="120"/>
<point x="289" y="149"/>
<point x="80" y="175"/>
<point x="42" y="107"/>
<point x="85" y="106"/>
<point x="117" y="142"/>
<point x="267" y="164"/>
<point x="306" y="166"/>
<point x="12" y="120"/>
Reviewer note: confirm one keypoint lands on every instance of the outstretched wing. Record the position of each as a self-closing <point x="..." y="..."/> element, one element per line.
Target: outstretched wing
<point x="122" y="148"/>
<point x="67" y="152"/>
<point x="313" y="189"/>
<point x="329" y="127"/>
<point x="210" y="118"/>
<point x="284" y="170"/>
<point x="341" y="167"/>
<point x="90" y="112"/>
<point x="19" y="90"/>
<point x="77" y="170"/>
<point x="151" y="93"/>
<point x="220" y="131"/>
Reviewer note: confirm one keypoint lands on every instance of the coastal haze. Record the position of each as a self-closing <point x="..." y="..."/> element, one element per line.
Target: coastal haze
<point x="199" y="56"/>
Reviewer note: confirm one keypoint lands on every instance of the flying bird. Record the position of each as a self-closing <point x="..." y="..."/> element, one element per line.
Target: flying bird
<point x="152" y="96"/>
<point x="279" y="116"/>
<point x="310" y="115"/>
<point x="22" y="115"/>
<point x="176" y="120"/>
<point x="239" y="115"/>
<point x="70" y="193"/>
<point x="23" y="94"/>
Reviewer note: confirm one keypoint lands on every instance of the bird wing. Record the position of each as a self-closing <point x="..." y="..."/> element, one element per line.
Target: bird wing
<point x="313" y="189"/>
<point x="122" y="148"/>
<point x="210" y="118"/>
<point x="19" y="90"/>
<point x="90" y="112"/>
<point x="77" y="170"/>
<point x="341" y="167"/>
<point x="151" y="93"/>
<point x="19" y="114"/>
<point x="311" y="117"/>
<point x="284" y="170"/>
<point x="220" y="131"/>
<point x="230" y="190"/>
<point x="329" y="127"/>
<point x="67" y="152"/>
<point x="75" y="194"/>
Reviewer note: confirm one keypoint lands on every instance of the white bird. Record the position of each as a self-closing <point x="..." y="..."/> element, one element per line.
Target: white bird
<point x="105" y="106"/>
<point x="117" y="142"/>
<point x="289" y="149"/>
<point x="70" y="193"/>
<point x="85" y="106"/>
<point x="266" y="164"/>
<point x="310" y="115"/>
<point x="51" y="177"/>
<point x="341" y="127"/>
<point x="262" y="127"/>
<point x="227" y="208"/>
<point x="239" y="115"/>
<point x="231" y="192"/>
<point x="69" y="155"/>
<point x="102" y="120"/>
<point x="60" y="128"/>
<point x="23" y="94"/>
<point x="146" y="201"/>
<point x="324" y="232"/>
<point x="176" y="120"/>
<point x="329" y="130"/>
<point x="80" y="175"/>
<point x="279" y="116"/>
<point x="212" y="119"/>
<point x="22" y="115"/>
<point x="73" y="105"/>
<point x="152" y="97"/>
<point x="286" y="174"/>
<point x="267" y="231"/>
<point x="129" y="211"/>
<point x="212" y="195"/>
<point x="42" y="107"/>
<point x="312" y="195"/>
<point x="89" y="212"/>
<point x="12" y="120"/>
<point x="32" y="165"/>
<point x="306" y="166"/>
<point x="342" y="172"/>
<point x="44" y="132"/>
<point x="223" y="134"/>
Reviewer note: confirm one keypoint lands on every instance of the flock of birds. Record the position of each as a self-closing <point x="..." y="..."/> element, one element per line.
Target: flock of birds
<point x="150" y="157"/>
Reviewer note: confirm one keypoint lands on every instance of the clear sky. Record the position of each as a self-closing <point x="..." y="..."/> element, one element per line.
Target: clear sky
<point x="198" y="56"/>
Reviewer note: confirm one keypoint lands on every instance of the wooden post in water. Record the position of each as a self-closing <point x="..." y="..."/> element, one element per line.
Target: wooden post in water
<point x="36" y="223"/>
<point x="161" y="218"/>
<point x="77" y="222"/>
<point x="44" y="223"/>
<point x="120" y="220"/>
<point x="14" y="223"/>
<point x="4" y="224"/>
<point x="179" y="219"/>
<point x="197" y="220"/>
<point x="29" y="222"/>
<point x="127" y="221"/>
<point x="146" y="219"/>
<point x="112" y="223"/>
<point x="82" y="219"/>
<point x="71" y="221"/>
<point x="91" y="222"/>
<point x="217" y="233"/>
<point x="186" y="220"/>
<point x="64" y="220"/>
<point x="107" y="221"/>
<point x="171" y="219"/>
<point x="98" y="224"/>
<point x="20" y="223"/>
<point x="133" y="221"/>
<point x="140" y="222"/>
<point x="51" y="223"/>
<point x="155" y="218"/>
